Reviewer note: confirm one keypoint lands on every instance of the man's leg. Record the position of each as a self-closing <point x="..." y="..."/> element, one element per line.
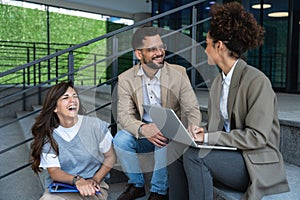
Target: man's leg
<point x="204" y="166"/>
<point x="126" y="149"/>
<point x="159" y="181"/>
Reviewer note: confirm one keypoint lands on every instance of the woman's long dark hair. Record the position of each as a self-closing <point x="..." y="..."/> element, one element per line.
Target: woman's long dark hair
<point x="47" y="121"/>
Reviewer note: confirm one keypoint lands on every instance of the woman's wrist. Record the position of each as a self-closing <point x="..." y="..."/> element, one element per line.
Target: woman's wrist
<point x="76" y="179"/>
<point x="205" y="138"/>
<point x="96" y="180"/>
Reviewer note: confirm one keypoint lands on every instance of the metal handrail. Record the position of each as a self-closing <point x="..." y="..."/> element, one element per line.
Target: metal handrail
<point x="110" y="34"/>
<point x="71" y="49"/>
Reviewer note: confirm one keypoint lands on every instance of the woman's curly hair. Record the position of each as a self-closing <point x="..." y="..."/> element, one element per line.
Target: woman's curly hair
<point x="236" y="27"/>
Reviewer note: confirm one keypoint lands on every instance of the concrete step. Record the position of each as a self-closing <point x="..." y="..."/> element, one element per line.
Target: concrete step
<point x="95" y="98"/>
<point x="293" y="176"/>
<point x="22" y="184"/>
<point x="117" y="188"/>
<point x="30" y="186"/>
<point x="223" y="193"/>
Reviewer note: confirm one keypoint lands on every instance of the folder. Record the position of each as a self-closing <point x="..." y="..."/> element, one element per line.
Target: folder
<point x="57" y="187"/>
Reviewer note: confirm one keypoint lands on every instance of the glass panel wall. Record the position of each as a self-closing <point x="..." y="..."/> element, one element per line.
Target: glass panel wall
<point x="298" y="85"/>
<point x="297" y="27"/>
<point x="271" y="58"/>
<point x="278" y="58"/>
<point x="180" y="20"/>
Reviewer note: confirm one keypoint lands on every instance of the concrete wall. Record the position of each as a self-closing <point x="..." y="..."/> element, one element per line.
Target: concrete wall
<point x="290" y="140"/>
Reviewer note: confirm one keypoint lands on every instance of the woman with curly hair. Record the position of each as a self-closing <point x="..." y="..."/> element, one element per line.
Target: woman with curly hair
<point x="242" y="112"/>
<point x="74" y="148"/>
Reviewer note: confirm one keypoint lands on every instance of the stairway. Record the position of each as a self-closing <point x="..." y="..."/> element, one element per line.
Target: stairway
<point x="24" y="184"/>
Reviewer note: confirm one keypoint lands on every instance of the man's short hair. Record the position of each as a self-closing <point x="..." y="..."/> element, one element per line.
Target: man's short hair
<point x="140" y="34"/>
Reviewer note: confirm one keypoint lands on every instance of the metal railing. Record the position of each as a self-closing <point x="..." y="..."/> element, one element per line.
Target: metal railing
<point x="85" y="73"/>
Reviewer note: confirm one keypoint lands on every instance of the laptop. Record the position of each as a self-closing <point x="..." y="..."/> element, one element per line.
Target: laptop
<point x="171" y="126"/>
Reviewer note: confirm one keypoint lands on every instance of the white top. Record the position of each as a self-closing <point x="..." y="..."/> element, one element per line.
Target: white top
<point x="151" y="91"/>
<point x="224" y="96"/>
<point x="51" y="160"/>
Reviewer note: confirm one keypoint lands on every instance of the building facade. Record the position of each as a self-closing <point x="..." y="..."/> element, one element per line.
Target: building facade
<point x="278" y="58"/>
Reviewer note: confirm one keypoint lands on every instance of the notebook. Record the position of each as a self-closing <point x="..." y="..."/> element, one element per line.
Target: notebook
<point x="170" y="125"/>
<point x="62" y="187"/>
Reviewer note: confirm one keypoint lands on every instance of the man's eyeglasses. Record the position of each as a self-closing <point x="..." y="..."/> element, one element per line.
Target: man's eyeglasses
<point x="162" y="47"/>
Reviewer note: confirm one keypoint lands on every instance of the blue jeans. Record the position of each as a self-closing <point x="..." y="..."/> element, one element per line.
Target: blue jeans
<point x="131" y="151"/>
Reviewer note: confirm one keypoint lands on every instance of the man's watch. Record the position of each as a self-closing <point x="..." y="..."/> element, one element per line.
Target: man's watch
<point x="76" y="178"/>
<point x="140" y="129"/>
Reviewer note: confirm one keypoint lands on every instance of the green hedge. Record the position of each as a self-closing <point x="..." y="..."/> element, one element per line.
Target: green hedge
<point x="30" y="25"/>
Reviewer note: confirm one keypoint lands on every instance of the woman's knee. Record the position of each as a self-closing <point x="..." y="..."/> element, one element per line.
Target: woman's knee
<point x="192" y="155"/>
<point x="48" y="196"/>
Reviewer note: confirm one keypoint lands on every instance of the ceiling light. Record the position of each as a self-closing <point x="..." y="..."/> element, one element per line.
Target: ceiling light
<point x="278" y="14"/>
<point x="258" y="6"/>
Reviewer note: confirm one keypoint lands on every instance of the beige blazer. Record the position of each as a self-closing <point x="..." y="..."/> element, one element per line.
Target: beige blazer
<point x="255" y="129"/>
<point x="176" y="93"/>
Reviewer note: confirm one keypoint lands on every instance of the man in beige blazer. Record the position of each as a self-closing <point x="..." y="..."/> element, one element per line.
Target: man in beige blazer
<point x="154" y="82"/>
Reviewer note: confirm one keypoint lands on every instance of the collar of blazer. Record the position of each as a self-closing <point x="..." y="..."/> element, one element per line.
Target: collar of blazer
<point x="234" y="85"/>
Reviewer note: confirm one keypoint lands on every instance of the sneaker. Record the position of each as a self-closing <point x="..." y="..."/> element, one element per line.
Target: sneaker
<point x="156" y="196"/>
<point x="131" y="192"/>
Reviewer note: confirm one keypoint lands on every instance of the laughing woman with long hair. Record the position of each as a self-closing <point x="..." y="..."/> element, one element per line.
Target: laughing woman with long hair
<point x="74" y="148"/>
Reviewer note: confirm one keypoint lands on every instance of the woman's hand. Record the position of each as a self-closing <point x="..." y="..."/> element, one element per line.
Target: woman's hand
<point x="87" y="187"/>
<point x="196" y="132"/>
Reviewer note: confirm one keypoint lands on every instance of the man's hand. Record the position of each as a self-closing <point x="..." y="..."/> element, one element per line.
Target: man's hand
<point x="153" y="134"/>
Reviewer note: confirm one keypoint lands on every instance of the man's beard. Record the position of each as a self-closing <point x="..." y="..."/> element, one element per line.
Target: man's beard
<point x="152" y="65"/>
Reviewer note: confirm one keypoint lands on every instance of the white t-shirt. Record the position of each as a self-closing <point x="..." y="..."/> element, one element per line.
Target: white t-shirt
<point x="51" y="160"/>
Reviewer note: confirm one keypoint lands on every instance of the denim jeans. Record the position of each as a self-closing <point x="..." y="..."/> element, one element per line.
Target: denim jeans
<point x="131" y="151"/>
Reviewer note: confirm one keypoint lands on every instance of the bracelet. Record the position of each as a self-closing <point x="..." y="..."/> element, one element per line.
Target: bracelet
<point x="76" y="178"/>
